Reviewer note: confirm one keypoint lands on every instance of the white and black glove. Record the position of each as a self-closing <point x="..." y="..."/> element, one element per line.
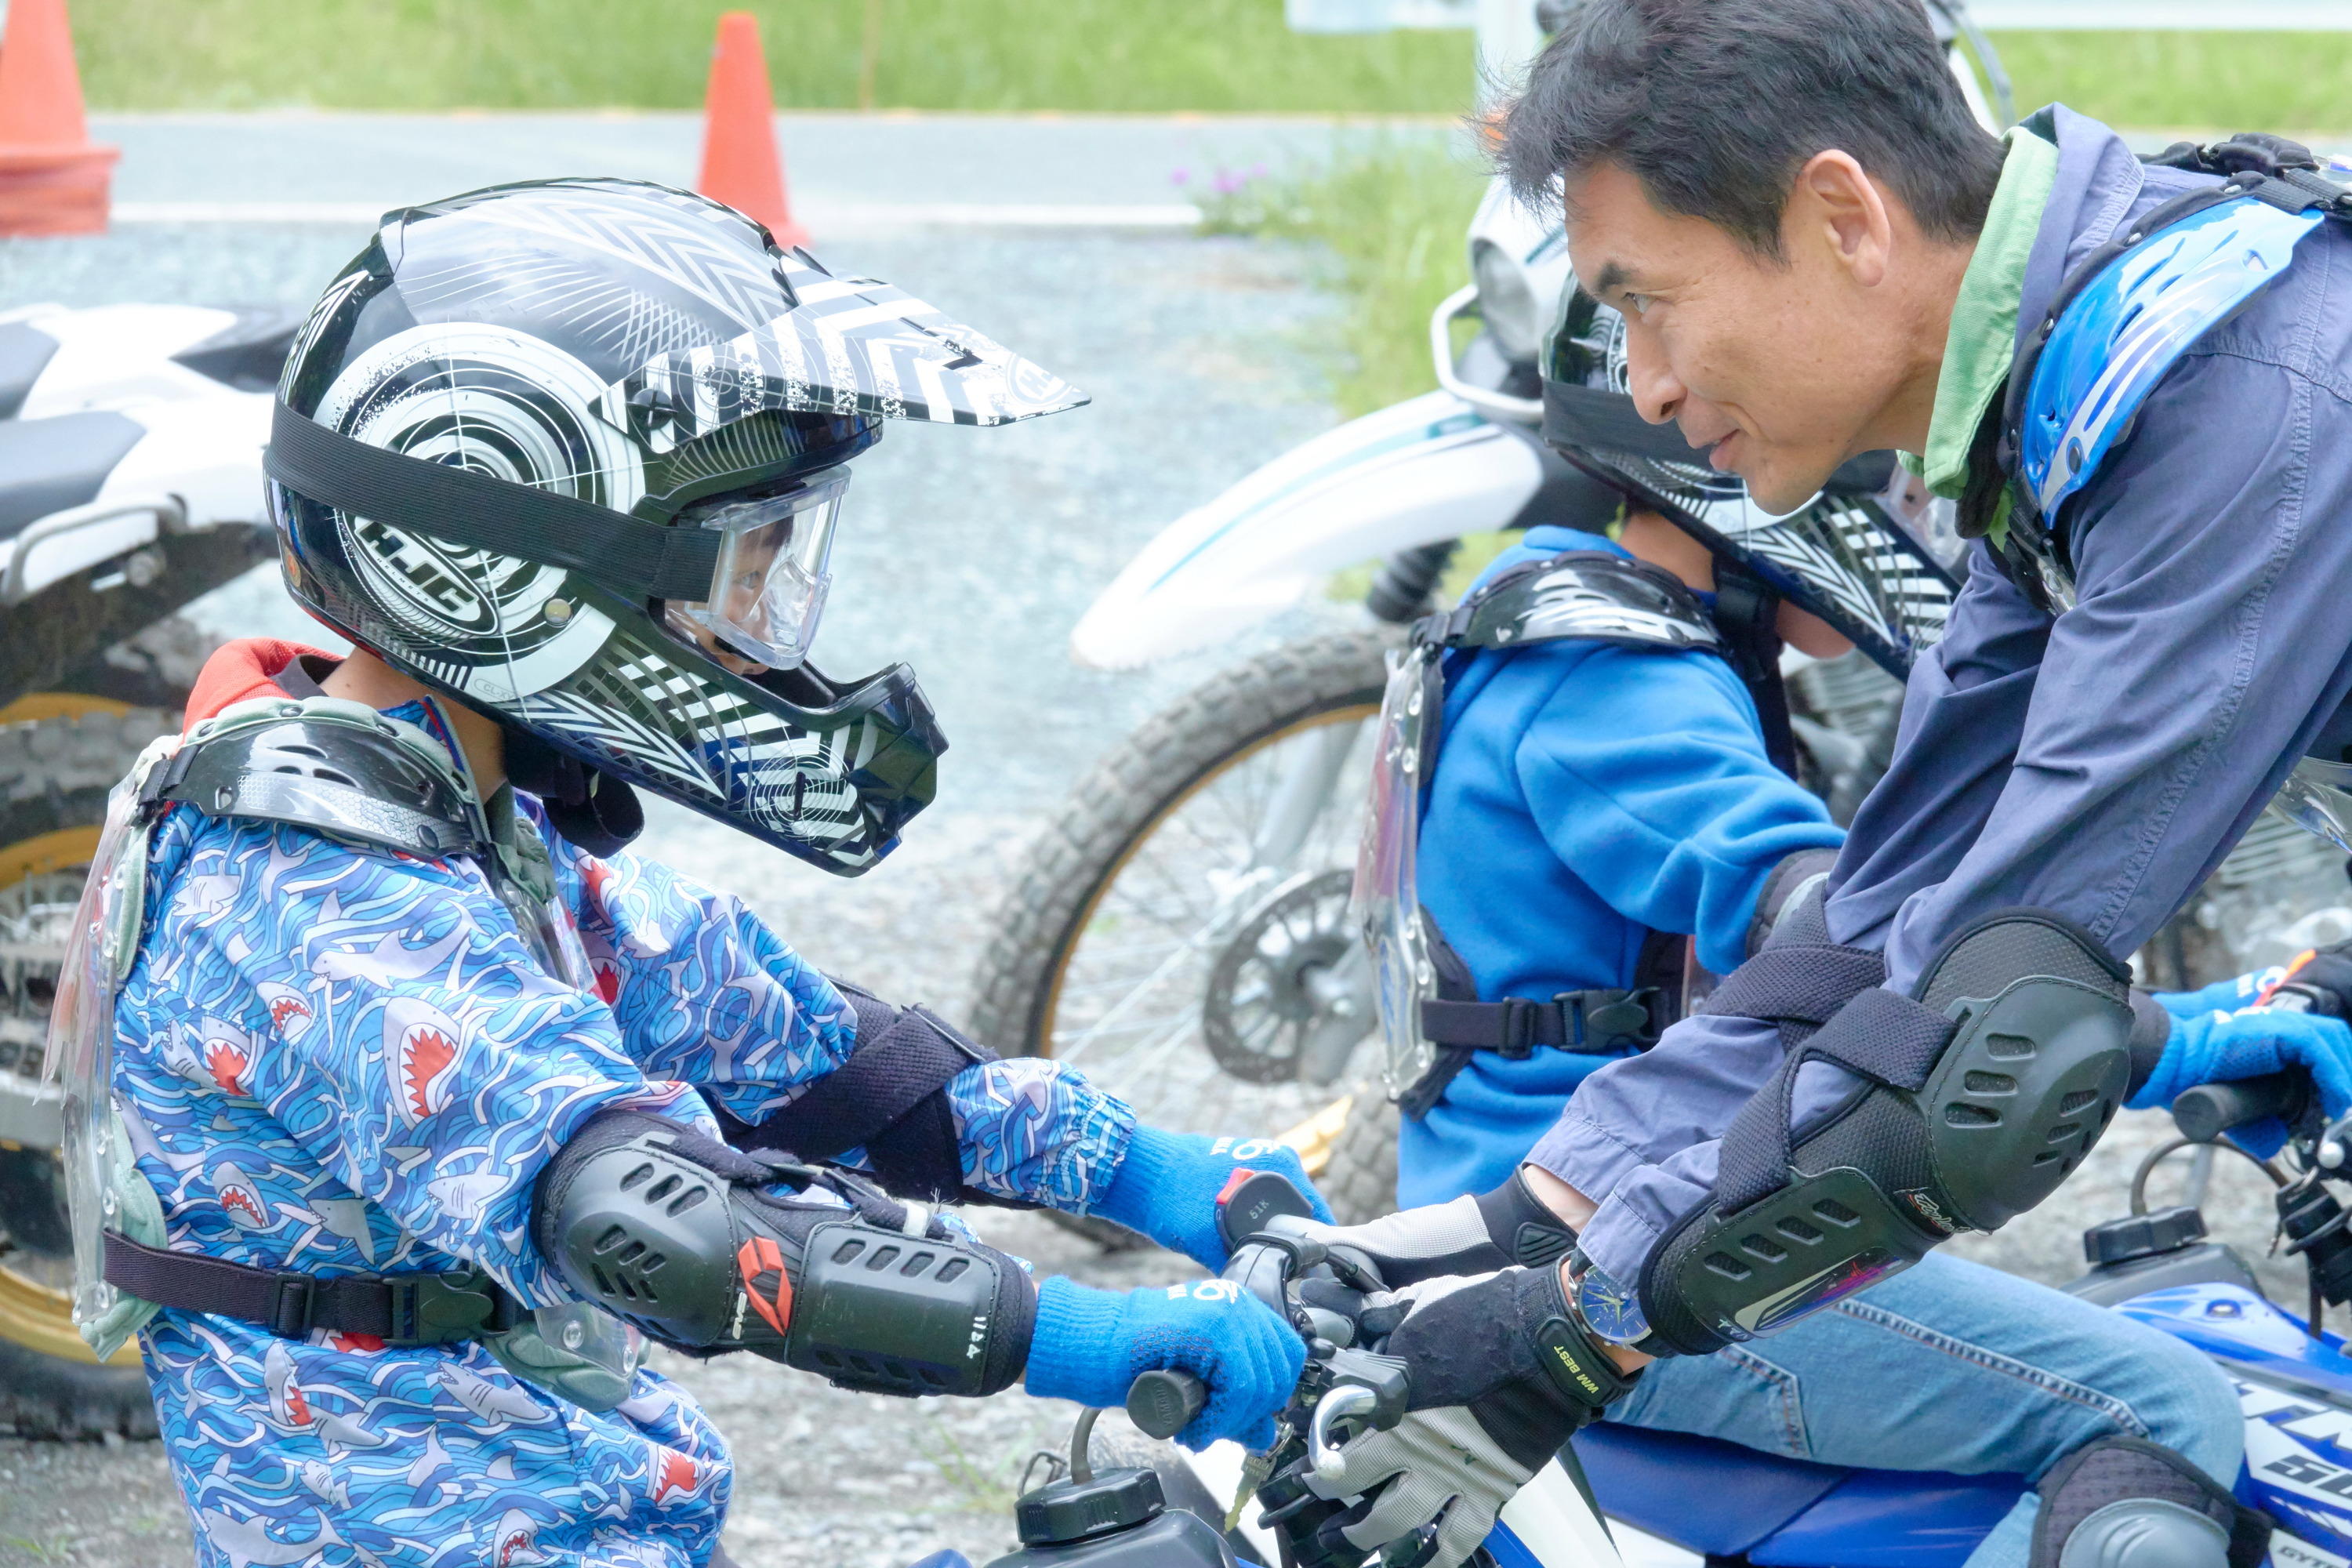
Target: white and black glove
<point x="1508" y="1226"/>
<point x="1501" y="1373"/>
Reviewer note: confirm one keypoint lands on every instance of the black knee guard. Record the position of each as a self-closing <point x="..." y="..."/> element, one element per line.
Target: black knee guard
<point x="693" y="1242"/>
<point x="2122" y="1503"/>
<point x="1971" y="1100"/>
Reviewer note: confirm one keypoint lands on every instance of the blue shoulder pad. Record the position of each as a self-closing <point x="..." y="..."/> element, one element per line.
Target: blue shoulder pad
<point x="2130" y="324"/>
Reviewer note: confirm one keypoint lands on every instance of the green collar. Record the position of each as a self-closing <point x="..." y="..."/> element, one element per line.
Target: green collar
<point x="1984" y="337"/>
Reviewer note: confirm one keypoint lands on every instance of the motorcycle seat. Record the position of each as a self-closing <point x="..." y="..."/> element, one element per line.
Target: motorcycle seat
<point x="1720" y="1499"/>
<point x="25" y="352"/>
<point x="49" y="465"/>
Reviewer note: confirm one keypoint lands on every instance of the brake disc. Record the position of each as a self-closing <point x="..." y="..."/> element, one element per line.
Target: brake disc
<point x="1272" y="993"/>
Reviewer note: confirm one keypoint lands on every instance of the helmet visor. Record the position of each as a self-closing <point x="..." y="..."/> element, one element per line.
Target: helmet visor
<point x="766" y="591"/>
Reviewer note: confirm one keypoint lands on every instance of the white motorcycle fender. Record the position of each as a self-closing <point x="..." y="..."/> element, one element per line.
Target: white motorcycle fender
<point x="1429" y="468"/>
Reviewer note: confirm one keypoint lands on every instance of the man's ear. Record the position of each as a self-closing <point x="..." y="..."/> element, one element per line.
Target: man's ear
<point x="1837" y="207"/>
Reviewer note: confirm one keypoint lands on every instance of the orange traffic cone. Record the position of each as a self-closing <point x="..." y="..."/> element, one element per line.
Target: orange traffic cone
<point x="741" y="165"/>
<point x="52" y="179"/>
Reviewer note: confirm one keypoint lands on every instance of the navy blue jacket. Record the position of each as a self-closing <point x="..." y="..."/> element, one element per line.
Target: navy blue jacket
<point x="1583" y="794"/>
<point x="2098" y="763"/>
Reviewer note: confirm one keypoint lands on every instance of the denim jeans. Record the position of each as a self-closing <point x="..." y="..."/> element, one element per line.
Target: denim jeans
<point x="1952" y="1366"/>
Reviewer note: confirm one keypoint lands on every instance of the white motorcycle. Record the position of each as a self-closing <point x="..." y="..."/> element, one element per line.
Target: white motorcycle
<point x="1180" y="930"/>
<point x="130" y="441"/>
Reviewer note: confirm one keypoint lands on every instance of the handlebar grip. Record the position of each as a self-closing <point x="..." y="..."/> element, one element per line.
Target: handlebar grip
<point x="1252" y="1198"/>
<point x="1162" y="1403"/>
<point x="2208" y="1111"/>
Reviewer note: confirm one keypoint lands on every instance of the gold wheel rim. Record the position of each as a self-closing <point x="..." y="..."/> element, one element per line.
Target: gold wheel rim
<point x="1314" y="1137"/>
<point x="32" y="1314"/>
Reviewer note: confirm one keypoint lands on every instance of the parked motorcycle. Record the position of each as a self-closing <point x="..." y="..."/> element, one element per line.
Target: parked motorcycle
<point x="1180" y="930"/>
<point x="130" y="441"/>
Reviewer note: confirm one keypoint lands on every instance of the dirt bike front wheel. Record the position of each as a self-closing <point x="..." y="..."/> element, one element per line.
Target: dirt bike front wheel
<point x="1181" y="931"/>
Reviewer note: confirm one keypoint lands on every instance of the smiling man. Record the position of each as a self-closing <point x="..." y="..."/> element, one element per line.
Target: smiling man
<point x="2135" y="379"/>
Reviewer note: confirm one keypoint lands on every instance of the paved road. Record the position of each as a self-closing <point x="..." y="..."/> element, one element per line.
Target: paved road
<point x="842" y="168"/>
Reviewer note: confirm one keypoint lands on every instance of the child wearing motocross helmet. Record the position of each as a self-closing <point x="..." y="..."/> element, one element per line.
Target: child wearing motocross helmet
<point x="405" y="1103"/>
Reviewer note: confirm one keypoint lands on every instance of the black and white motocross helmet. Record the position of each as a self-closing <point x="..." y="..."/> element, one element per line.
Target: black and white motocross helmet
<point x="1872" y="555"/>
<point x="571" y="452"/>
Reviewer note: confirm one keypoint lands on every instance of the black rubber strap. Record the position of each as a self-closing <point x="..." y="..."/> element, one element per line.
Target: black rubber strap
<point x="398" y="1308"/>
<point x="1880" y="1036"/>
<point x="1589" y="1023"/>
<point x="889" y="1099"/>
<point x="1800" y="987"/>
<point x="639" y="560"/>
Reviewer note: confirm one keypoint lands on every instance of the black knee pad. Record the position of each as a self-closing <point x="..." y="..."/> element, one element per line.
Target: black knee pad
<point x="2125" y="1502"/>
<point x="1973" y="1099"/>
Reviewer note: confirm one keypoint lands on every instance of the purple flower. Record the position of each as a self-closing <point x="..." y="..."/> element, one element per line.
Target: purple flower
<point x="1228" y="182"/>
<point x="1257" y="172"/>
<point x="1180" y="176"/>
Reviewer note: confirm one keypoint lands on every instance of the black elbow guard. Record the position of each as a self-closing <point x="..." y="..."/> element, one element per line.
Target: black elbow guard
<point x="690" y="1240"/>
<point x="889" y="1099"/>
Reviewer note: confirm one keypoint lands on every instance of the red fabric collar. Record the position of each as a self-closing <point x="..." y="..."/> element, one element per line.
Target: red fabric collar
<point x="241" y="671"/>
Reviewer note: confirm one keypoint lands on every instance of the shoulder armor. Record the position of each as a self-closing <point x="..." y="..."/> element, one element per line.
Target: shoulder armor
<point x="2125" y="320"/>
<point x="1588" y="594"/>
<point x="332" y="766"/>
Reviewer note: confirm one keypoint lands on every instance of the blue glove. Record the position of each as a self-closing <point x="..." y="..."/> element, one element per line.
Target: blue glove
<point x="1088" y="1345"/>
<point x="2221" y="997"/>
<point x="1168" y="1183"/>
<point x="2216" y="1047"/>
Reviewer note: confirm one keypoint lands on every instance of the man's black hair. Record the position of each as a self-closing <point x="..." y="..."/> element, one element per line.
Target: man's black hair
<point x="1716" y="104"/>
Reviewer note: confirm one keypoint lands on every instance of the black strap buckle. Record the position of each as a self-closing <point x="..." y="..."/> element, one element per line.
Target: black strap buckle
<point x="436" y="1308"/>
<point x="289" y="1311"/>
<point x="1613" y="1026"/>
<point x="1519" y="1025"/>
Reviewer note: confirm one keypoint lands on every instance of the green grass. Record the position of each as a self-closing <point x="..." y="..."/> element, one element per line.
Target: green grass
<point x="1071" y="55"/>
<point x="2257" y="81"/>
<point x="1390" y="218"/>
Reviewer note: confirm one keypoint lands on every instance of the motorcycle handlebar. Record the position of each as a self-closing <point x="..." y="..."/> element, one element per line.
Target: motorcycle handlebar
<point x="1162" y="1403"/>
<point x="2209" y="1110"/>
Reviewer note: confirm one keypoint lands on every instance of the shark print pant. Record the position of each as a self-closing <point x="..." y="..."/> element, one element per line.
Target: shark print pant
<point x="337" y="1059"/>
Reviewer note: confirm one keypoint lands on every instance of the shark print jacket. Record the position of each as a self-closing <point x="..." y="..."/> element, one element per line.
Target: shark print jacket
<point x="339" y="1059"/>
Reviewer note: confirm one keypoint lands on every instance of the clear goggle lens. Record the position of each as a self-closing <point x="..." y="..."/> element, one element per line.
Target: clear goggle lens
<point x="768" y="590"/>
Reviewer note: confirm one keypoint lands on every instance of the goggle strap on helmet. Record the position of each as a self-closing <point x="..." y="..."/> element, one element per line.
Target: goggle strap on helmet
<point x="636" y="559"/>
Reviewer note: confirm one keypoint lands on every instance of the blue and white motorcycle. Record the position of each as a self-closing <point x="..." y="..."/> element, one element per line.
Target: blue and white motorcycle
<point x="1652" y="1500"/>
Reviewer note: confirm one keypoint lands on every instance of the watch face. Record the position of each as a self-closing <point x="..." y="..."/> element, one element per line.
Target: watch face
<point x="1609" y="1309"/>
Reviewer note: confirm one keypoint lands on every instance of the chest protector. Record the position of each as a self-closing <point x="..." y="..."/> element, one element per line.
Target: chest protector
<point x="345" y="771"/>
<point x="1431" y="1018"/>
<point x="2120" y="322"/>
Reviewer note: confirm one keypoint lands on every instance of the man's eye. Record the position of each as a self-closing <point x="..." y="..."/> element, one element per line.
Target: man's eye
<point x="1637" y="304"/>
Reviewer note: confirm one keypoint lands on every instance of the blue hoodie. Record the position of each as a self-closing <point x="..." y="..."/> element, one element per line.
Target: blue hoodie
<point x="1584" y="794"/>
